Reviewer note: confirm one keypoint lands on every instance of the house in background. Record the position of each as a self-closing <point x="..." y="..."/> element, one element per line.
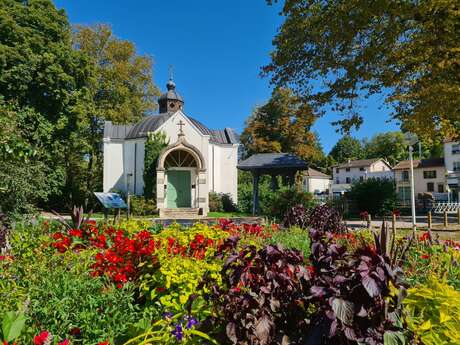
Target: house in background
<point x="452" y="164"/>
<point x="358" y="170"/>
<point x="429" y="179"/>
<point x="316" y="182"/>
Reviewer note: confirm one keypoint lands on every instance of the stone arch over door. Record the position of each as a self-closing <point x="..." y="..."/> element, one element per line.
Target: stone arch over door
<point x="166" y="161"/>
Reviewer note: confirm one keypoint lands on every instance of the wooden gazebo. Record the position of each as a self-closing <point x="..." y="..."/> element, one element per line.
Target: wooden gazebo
<point x="273" y="164"/>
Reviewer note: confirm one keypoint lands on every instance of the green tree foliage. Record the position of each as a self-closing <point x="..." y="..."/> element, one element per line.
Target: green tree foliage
<point x="390" y="146"/>
<point x="25" y="176"/>
<point x="407" y="50"/>
<point x="347" y="148"/>
<point x="376" y="196"/>
<point x="155" y="143"/>
<point x="122" y="90"/>
<point x="283" y="124"/>
<point x="42" y="74"/>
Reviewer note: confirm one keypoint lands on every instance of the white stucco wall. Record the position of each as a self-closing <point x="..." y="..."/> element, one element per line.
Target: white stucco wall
<point x="113" y="165"/>
<point x="316" y="185"/>
<point x="376" y="170"/>
<point x="192" y="135"/>
<point x="420" y="182"/>
<point x="449" y="156"/>
<point x="223" y="172"/>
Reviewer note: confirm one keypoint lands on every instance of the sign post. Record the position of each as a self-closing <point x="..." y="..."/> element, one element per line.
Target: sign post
<point x="111" y="201"/>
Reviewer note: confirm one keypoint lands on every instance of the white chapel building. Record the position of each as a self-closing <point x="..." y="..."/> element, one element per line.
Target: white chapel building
<point x="198" y="160"/>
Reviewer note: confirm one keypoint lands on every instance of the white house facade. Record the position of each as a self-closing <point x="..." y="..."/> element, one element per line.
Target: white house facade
<point x="196" y="161"/>
<point x="316" y="182"/>
<point x="452" y="164"/>
<point x="429" y="179"/>
<point x="358" y="170"/>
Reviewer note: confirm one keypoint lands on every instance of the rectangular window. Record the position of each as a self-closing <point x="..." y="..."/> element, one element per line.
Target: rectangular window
<point x="456" y="166"/>
<point x="429" y="174"/>
<point x="405" y="175"/>
<point x="337" y="181"/>
<point x="361" y="178"/>
<point x="348" y="180"/>
<point x="455" y="149"/>
<point x="361" y="169"/>
<point x="440" y="188"/>
<point x="347" y="169"/>
<point x="337" y="170"/>
<point x="430" y="187"/>
<point x="404" y="194"/>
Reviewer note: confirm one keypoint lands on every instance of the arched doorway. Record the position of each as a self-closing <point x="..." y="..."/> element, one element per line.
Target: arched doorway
<point x="180" y="170"/>
<point x="182" y="180"/>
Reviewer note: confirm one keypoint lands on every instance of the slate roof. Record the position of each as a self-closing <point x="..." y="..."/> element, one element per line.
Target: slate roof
<point x="424" y="163"/>
<point x="153" y="122"/>
<point x="273" y="161"/>
<point x="358" y="163"/>
<point x="315" y="173"/>
<point x="116" y="131"/>
<point x="224" y="136"/>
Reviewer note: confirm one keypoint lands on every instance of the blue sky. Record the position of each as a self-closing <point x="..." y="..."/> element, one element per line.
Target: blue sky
<point x="216" y="49"/>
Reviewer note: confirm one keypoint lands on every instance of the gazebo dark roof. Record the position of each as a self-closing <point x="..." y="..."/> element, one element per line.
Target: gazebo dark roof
<point x="285" y="164"/>
<point x="273" y="161"/>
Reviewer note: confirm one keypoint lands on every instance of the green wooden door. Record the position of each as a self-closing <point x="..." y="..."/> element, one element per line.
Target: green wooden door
<point x="178" y="193"/>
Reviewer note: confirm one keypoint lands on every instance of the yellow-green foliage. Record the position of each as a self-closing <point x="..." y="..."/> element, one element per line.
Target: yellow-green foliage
<point x="433" y="313"/>
<point x="170" y="286"/>
<point x="134" y="225"/>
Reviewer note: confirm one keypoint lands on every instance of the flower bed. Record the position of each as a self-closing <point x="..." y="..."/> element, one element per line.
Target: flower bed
<point x="226" y="284"/>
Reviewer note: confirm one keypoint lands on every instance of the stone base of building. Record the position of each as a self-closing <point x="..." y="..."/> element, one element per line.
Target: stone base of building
<point x="181" y="213"/>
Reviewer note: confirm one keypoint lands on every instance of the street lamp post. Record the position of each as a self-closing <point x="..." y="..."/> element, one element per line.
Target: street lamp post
<point x="412" y="189"/>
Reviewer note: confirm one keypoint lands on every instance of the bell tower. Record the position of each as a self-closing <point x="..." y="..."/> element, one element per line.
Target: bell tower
<point x="170" y="101"/>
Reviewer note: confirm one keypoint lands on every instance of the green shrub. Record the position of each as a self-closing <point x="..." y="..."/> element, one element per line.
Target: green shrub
<point x="376" y="196"/>
<point x="433" y="313"/>
<point x="221" y="202"/>
<point x="227" y="203"/>
<point x="141" y="206"/>
<point x="215" y="202"/>
<point x="60" y="292"/>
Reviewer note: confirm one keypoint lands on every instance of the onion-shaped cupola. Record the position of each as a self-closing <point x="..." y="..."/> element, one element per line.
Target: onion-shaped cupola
<point x="170" y="101"/>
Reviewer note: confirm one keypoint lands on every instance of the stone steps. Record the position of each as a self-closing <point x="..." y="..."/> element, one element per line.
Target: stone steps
<point x="180" y="213"/>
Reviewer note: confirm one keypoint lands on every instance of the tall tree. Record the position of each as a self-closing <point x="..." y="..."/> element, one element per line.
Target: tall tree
<point x="41" y="74"/>
<point x="390" y="145"/>
<point x="283" y="124"/>
<point x="347" y="148"/>
<point x="25" y="176"/>
<point x="122" y="90"/>
<point x="407" y="50"/>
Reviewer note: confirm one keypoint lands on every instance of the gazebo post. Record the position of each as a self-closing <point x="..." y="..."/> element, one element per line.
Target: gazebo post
<point x="255" y="192"/>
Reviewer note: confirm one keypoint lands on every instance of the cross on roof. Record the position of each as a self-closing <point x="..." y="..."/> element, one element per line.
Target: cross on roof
<point x="180" y="124"/>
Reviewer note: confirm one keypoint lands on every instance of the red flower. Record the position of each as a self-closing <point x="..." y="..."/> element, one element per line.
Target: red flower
<point x="41" y="338"/>
<point x="64" y="342"/>
<point x="425" y="236"/>
<point x="76" y="233"/>
<point x="425" y="256"/>
<point x="160" y="289"/>
<point x="104" y="343"/>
